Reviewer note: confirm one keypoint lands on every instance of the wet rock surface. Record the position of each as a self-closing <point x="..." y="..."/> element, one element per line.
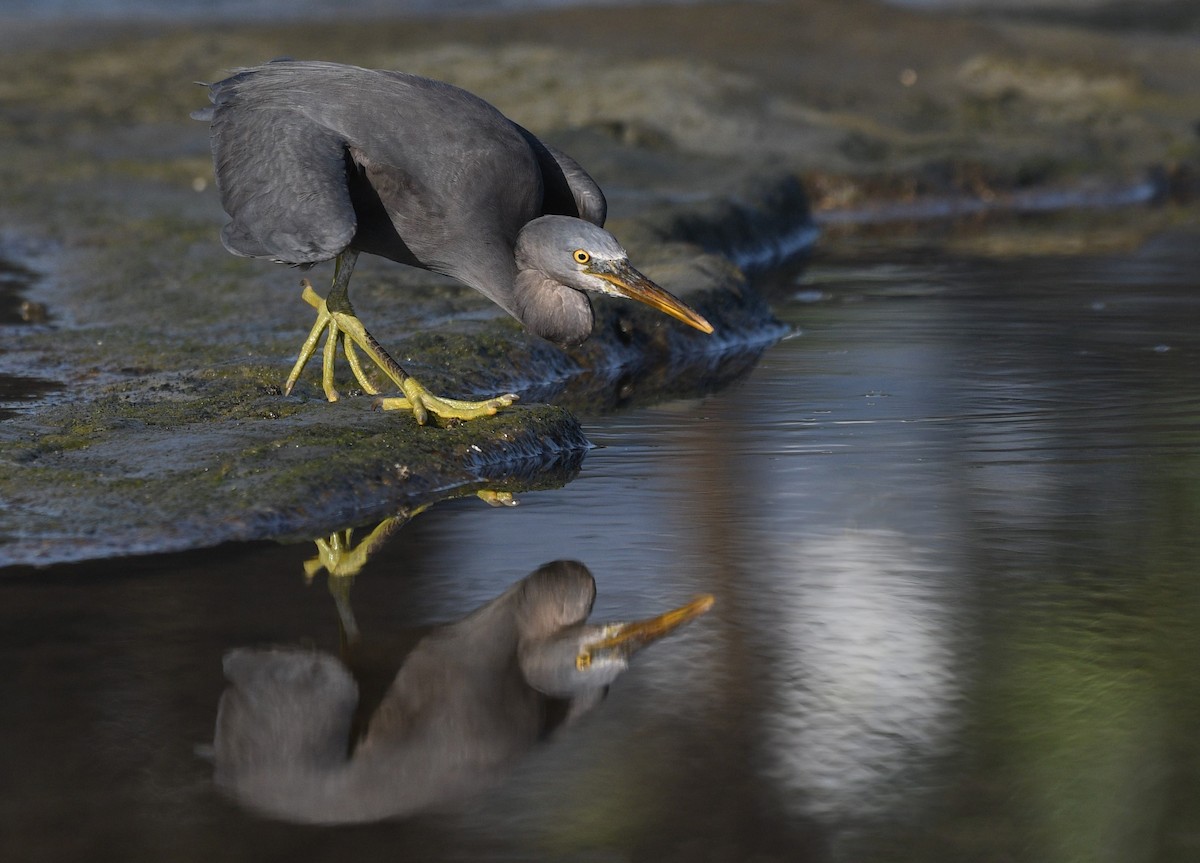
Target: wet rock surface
<point x="142" y="408"/>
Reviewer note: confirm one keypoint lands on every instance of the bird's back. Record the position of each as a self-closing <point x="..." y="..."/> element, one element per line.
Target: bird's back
<point x="293" y="141"/>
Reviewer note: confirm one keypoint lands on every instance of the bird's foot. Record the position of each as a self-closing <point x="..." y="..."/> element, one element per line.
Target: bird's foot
<point x="343" y="326"/>
<point x="349" y="329"/>
<point x="422" y="403"/>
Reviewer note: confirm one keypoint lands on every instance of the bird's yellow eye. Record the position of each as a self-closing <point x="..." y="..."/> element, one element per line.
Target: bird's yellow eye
<point x="583" y="660"/>
<point x="581" y="256"/>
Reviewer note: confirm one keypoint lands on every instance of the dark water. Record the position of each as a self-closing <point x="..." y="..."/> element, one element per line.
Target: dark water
<point x="952" y="531"/>
<point x="18" y="389"/>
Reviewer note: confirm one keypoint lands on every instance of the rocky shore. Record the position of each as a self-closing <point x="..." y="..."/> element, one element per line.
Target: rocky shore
<point x="146" y="363"/>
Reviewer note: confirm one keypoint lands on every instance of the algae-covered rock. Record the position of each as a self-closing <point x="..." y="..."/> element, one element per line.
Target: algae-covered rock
<point x="143" y="364"/>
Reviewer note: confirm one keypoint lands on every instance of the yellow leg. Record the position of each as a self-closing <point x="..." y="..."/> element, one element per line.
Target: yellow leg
<point x="422" y="403"/>
<point x="327" y="321"/>
<point x="341" y="558"/>
<point x="310" y="344"/>
<point x="356" y="367"/>
<point x="346" y="327"/>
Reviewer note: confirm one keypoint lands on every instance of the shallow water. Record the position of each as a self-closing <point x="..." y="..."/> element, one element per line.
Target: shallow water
<point x="951" y="528"/>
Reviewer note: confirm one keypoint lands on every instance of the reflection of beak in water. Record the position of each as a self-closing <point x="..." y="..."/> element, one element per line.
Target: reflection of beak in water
<point x="623" y="639"/>
<point x="469" y="698"/>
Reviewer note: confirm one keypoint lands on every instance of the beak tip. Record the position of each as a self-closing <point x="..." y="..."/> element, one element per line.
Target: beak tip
<point x="633" y="285"/>
<point x="691" y="317"/>
<point x="643" y="632"/>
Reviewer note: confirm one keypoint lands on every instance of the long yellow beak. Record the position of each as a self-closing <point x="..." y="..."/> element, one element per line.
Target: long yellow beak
<point x="632" y="636"/>
<point x="628" y="282"/>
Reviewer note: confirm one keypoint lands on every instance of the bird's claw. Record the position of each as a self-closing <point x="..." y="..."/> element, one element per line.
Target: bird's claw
<point x="347" y="327"/>
<point x="422" y="403"/>
<point x="339" y="326"/>
<point x="343" y="559"/>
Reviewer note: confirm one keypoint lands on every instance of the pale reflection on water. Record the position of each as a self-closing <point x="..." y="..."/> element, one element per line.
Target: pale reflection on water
<point x="951" y="531"/>
<point x="864" y="679"/>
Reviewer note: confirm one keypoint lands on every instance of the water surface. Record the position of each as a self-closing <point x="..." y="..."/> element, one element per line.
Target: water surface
<point x="951" y="528"/>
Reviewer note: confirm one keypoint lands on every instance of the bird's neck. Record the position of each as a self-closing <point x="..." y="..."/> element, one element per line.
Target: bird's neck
<point x="550" y="309"/>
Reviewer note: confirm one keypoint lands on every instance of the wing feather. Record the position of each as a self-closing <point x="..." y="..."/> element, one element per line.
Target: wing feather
<point x="282" y="176"/>
<point x="568" y="190"/>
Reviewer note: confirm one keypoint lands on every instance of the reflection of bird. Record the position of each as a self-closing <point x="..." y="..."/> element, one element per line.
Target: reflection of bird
<point x="468" y="699"/>
<point x="317" y="161"/>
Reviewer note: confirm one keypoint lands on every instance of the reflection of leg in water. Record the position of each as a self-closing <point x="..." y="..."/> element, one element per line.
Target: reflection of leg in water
<point x="339" y="557"/>
<point x="343" y="560"/>
<point x="348" y="634"/>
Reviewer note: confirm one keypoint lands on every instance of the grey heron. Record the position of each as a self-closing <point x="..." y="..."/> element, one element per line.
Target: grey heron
<point x="317" y="161"/>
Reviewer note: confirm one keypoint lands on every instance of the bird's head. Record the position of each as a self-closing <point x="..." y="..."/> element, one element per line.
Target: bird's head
<point x="585" y="257"/>
<point x="578" y="658"/>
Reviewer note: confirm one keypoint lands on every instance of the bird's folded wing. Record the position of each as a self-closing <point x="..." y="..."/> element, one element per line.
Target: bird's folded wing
<point x="282" y="179"/>
<point x="568" y="190"/>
